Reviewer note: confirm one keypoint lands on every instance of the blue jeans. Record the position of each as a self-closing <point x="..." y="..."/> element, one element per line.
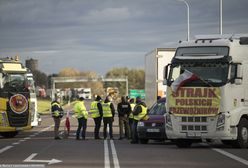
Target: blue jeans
<point x="82" y="122"/>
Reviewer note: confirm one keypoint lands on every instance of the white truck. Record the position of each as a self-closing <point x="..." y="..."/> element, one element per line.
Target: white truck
<point x="35" y="117"/>
<point x="85" y="92"/>
<point x="154" y="64"/>
<point x="207" y="91"/>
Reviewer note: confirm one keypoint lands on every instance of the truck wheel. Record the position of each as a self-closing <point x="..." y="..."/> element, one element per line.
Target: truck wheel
<point x="9" y="134"/>
<point x="144" y="141"/>
<point x="242" y="140"/>
<point x="183" y="143"/>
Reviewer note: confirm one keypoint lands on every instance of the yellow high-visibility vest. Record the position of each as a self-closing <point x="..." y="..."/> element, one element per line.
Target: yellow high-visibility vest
<point x="94" y="109"/>
<point x="106" y="110"/>
<point x="80" y="110"/>
<point x="142" y="114"/>
<point x="132" y="107"/>
<point x="56" y="113"/>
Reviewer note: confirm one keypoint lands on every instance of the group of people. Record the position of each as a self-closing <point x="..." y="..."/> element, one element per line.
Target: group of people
<point x="129" y="114"/>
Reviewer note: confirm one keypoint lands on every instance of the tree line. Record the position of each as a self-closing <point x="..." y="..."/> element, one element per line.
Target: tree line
<point x="136" y="79"/>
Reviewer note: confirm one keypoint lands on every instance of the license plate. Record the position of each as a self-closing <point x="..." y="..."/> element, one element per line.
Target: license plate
<point x="19" y="129"/>
<point x="153" y="130"/>
<point x="193" y="134"/>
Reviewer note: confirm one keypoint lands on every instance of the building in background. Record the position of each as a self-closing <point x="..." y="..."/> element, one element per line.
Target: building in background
<point x="32" y="64"/>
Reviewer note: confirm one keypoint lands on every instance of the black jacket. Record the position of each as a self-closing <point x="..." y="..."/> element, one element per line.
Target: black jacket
<point x="138" y="109"/>
<point x="99" y="106"/>
<point x="123" y="109"/>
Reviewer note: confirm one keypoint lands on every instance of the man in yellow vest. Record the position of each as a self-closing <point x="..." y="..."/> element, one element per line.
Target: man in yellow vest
<point x="57" y="114"/>
<point x="140" y="111"/>
<point x="96" y="114"/>
<point x="82" y="116"/>
<point x="108" y="116"/>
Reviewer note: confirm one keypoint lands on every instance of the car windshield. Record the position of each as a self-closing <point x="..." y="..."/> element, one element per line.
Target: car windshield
<point x="158" y="109"/>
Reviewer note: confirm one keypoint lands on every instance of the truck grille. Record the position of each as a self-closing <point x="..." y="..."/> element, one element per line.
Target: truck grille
<point x="194" y="119"/>
<point x="18" y="120"/>
<point x="194" y="128"/>
<point x="194" y="124"/>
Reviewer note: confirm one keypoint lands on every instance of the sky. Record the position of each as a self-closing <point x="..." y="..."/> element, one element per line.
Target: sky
<point x="98" y="35"/>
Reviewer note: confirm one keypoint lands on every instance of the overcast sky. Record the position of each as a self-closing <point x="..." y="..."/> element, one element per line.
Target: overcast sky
<point x="97" y="35"/>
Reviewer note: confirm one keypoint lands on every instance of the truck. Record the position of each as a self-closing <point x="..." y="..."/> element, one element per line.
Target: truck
<point x="155" y="61"/>
<point x="207" y="91"/>
<point x="84" y="92"/>
<point x="16" y="110"/>
<point x="35" y="117"/>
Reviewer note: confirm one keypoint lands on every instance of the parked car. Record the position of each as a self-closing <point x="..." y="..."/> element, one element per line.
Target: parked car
<point x="154" y="127"/>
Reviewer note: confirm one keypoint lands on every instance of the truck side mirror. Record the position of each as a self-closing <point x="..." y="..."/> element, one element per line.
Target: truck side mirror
<point x="165" y="81"/>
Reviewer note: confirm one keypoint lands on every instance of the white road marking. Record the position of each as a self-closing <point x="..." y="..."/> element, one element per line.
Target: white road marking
<point x="106" y="155"/>
<point x="22" y="140"/>
<point x="16" y="143"/>
<point x="114" y="155"/>
<point x="33" y="135"/>
<point x="27" y="138"/>
<point x="234" y="157"/>
<point x="5" y="149"/>
<point x="52" y="161"/>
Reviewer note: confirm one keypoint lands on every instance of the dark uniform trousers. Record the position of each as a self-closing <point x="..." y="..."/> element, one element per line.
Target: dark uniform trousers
<point x="82" y="122"/>
<point x="108" y="121"/>
<point x="97" y="121"/>
<point x="134" y="131"/>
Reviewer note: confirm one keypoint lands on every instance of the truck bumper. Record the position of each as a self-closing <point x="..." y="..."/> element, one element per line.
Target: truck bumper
<point x="12" y="129"/>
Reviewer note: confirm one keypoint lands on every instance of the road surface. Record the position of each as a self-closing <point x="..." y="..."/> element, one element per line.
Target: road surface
<point x="37" y="148"/>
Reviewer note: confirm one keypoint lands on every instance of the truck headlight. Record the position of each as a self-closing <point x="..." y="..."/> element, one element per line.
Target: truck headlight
<point x="221" y="120"/>
<point x="141" y="124"/>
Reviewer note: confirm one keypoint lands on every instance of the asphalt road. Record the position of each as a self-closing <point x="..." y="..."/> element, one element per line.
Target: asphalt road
<point x="37" y="148"/>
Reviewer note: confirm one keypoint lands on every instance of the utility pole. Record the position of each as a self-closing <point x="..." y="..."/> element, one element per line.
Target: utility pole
<point x="220" y="18"/>
<point x="188" y="27"/>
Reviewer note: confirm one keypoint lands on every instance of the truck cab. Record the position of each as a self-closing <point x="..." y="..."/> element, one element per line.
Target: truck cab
<point x="207" y="91"/>
<point x="15" y="107"/>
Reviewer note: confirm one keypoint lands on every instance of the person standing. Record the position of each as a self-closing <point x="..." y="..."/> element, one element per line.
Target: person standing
<point x="130" y="117"/>
<point x="57" y="114"/>
<point x="108" y="117"/>
<point x="96" y="114"/>
<point x="124" y="110"/>
<point x="140" y="111"/>
<point x="82" y="116"/>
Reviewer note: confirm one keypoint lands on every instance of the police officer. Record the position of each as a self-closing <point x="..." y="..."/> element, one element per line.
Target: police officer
<point x="108" y="116"/>
<point x="82" y="116"/>
<point x="96" y="114"/>
<point x="140" y="111"/>
<point x="124" y="110"/>
<point x="57" y="114"/>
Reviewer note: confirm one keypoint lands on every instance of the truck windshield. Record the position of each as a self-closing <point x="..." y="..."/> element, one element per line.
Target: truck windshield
<point x="208" y="74"/>
<point x="14" y="82"/>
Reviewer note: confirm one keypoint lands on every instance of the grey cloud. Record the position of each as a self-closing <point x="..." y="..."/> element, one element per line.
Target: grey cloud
<point x="101" y="34"/>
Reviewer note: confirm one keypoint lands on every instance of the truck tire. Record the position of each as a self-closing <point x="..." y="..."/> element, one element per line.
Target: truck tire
<point x="183" y="143"/>
<point x="9" y="134"/>
<point x="144" y="141"/>
<point x="242" y="140"/>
